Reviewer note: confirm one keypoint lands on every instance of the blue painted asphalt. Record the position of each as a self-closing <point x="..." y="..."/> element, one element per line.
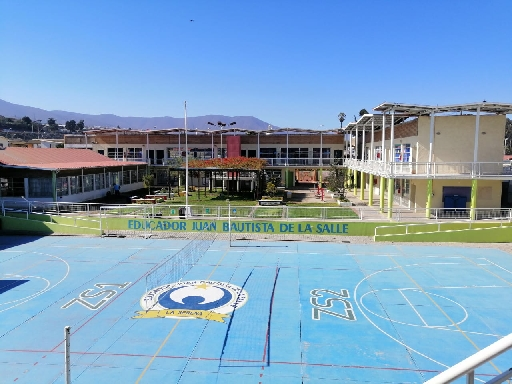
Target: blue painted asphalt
<point x="257" y="312"/>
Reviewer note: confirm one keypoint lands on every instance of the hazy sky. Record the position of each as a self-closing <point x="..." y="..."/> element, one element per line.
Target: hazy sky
<point x="291" y="63"/>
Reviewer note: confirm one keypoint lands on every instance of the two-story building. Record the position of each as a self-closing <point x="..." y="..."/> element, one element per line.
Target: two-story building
<point x="292" y="155"/>
<point x="426" y="157"/>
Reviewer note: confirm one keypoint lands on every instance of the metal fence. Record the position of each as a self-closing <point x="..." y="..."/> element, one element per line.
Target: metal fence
<point x="283" y="212"/>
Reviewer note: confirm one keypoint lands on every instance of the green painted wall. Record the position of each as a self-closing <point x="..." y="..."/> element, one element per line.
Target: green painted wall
<point x="47" y="228"/>
<point x="481" y="235"/>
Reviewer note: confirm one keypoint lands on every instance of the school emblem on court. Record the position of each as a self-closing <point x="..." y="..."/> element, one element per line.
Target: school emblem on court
<point x="196" y="299"/>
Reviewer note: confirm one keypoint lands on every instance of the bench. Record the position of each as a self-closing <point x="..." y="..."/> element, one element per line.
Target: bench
<point x="144" y="201"/>
<point x="270" y="202"/>
<point x="160" y="196"/>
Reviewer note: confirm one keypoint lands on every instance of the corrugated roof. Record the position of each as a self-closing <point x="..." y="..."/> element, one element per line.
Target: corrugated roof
<point x="57" y="158"/>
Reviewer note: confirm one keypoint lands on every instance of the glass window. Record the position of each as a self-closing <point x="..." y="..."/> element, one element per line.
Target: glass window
<point x="40" y="187"/>
<point x="88" y="183"/>
<point x="402" y="153"/>
<point x="268" y="153"/>
<point x="99" y="180"/>
<point x="111" y="152"/>
<point x="75" y="183"/>
<point x="62" y="186"/>
<point x="126" y="177"/>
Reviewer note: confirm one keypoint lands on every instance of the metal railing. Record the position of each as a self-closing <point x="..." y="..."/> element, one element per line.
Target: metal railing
<point x="467" y="366"/>
<point x="346" y="213"/>
<point x="435" y="169"/>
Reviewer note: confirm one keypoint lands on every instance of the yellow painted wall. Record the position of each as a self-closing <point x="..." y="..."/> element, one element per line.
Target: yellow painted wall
<point x="489" y="195"/>
<point x="456" y="139"/>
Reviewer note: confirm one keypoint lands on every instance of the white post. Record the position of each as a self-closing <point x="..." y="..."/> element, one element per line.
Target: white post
<point x="67" y="362"/>
<point x="372" y="154"/>
<point x="321" y="149"/>
<point x="477" y="131"/>
<point x="212" y="142"/>
<point x="186" y="164"/>
<point x="147" y="149"/>
<point x="287" y="129"/>
<point x="229" y="220"/>
<point x="392" y="137"/>
<point x="357" y="142"/>
<point x="258" y="154"/>
<point x="431" y="144"/>
<point x="117" y="144"/>
<point x="363" y="155"/>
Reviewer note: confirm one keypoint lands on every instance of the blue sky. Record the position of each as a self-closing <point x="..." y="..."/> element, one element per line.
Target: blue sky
<point x="291" y="63"/>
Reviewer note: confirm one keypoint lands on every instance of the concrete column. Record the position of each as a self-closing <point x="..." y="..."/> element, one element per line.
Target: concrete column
<point x="391" y="190"/>
<point x="363" y="182"/>
<point x="474" y="190"/>
<point x="381" y="193"/>
<point x="54" y="185"/>
<point x="429" y="198"/>
<point x="355" y="182"/>
<point x="370" y="189"/>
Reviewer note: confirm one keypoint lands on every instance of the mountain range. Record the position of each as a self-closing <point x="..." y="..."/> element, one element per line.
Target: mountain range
<point x="108" y="120"/>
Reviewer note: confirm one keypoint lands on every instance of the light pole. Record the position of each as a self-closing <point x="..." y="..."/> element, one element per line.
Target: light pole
<point x="229" y="220"/>
<point x="221" y="125"/>
<point x="186" y="164"/>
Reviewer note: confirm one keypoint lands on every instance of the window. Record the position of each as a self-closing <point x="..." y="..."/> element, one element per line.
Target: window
<point x="115" y="153"/>
<point x="298" y="153"/>
<point x="134" y="153"/>
<point x="62" y="186"/>
<point x="40" y="187"/>
<point x="251" y="153"/>
<point x="140" y="174"/>
<point x="75" y="183"/>
<point x="88" y="183"/>
<point x="243" y="153"/>
<point x="268" y="153"/>
<point x="402" y="153"/>
<point x="126" y="177"/>
<point x="99" y="180"/>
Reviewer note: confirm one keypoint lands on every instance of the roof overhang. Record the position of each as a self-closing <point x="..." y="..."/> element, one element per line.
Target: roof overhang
<point x="419" y="110"/>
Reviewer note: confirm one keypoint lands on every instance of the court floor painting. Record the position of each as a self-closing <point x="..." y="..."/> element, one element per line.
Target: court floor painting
<point x="146" y="311"/>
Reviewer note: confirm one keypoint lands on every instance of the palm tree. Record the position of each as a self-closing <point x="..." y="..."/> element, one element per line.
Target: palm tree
<point x="341" y="117"/>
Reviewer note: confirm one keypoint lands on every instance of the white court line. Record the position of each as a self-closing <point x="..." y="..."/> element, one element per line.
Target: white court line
<point x="499" y="266"/>
<point x="412" y="306"/>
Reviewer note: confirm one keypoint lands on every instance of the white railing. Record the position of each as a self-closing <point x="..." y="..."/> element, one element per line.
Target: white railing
<point x="467" y="367"/>
<point x="435" y="169"/>
<point x="290" y="213"/>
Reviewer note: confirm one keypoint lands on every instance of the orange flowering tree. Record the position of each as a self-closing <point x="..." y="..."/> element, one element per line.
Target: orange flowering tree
<point x="240" y="162"/>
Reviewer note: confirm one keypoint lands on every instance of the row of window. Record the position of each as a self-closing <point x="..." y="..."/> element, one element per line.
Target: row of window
<point x="206" y="153"/>
<point x="70" y="185"/>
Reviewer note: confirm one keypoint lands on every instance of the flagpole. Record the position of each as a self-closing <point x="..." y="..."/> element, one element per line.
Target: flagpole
<point x="186" y="163"/>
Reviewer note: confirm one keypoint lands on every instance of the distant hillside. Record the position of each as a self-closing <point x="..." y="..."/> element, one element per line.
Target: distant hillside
<point x="14" y="110"/>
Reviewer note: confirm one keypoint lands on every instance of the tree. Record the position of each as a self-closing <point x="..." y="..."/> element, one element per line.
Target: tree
<point x="271" y="189"/>
<point x="148" y="181"/>
<point x="341" y="118"/>
<point x="71" y="125"/>
<point x="80" y="125"/>
<point x="51" y="121"/>
<point x="508" y="137"/>
<point x="363" y="112"/>
<point x="336" y="179"/>
<point x="27" y="120"/>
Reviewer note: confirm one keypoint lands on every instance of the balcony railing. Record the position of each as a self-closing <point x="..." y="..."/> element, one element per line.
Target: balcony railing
<point x="468" y="170"/>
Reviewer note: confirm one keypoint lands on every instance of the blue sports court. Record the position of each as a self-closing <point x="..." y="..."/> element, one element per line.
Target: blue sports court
<point x="202" y="311"/>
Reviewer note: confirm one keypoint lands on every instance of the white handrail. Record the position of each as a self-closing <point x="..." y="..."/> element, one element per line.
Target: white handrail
<point x="467" y="366"/>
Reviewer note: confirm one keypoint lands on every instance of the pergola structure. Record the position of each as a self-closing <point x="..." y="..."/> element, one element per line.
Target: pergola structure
<point x="392" y="114"/>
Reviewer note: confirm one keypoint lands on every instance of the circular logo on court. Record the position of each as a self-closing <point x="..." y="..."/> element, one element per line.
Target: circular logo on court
<point x="210" y="300"/>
